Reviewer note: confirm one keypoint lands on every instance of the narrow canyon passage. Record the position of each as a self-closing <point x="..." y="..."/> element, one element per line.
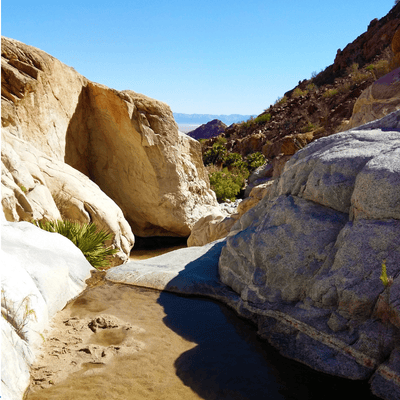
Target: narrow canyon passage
<point x="178" y="348"/>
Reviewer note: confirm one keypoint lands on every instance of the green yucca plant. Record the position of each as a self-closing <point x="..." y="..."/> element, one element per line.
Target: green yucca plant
<point x="87" y="237"/>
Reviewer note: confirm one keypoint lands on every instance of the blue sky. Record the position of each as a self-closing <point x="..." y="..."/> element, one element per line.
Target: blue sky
<point x="203" y="57"/>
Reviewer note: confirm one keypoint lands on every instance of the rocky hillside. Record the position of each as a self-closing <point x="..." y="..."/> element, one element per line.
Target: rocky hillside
<point x="208" y="130"/>
<point x="322" y="105"/>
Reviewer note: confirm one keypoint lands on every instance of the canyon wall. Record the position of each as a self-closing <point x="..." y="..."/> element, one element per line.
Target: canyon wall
<point x="307" y="259"/>
<point x="125" y="142"/>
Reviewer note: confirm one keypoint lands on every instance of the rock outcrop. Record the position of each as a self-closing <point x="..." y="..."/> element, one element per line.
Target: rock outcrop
<point x="40" y="273"/>
<point x="210" y="228"/>
<point x="364" y="49"/>
<point x="35" y="186"/>
<point x="208" y="130"/>
<point x="307" y="258"/>
<point x="219" y="225"/>
<point x="127" y="143"/>
<point x="378" y="100"/>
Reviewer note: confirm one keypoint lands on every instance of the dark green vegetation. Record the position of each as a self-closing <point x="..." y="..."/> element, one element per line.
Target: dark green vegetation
<point x="87" y="237"/>
<point x="229" y="171"/>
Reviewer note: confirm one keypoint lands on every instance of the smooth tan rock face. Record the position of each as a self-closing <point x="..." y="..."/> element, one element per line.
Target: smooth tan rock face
<point x="39" y="96"/>
<point x="138" y="157"/>
<point x="210" y="228"/>
<point x="125" y="142"/>
<point x="35" y="186"/>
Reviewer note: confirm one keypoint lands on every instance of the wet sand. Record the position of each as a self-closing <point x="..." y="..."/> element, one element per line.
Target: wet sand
<point x="146" y="373"/>
<point x="128" y="343"/>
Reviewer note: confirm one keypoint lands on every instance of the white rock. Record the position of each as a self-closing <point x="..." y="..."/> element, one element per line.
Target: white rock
<point x="41" y="272"/>
<point x="31" y="181"/>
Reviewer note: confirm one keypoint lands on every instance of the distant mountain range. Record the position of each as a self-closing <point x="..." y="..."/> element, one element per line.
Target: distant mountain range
<point x="199" y="119"/>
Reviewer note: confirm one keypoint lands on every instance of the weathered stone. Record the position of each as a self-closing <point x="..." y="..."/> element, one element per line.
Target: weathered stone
<point x="42" y="95"/>
<point x="259" y="176"/>
<point x="210" y="228"/>
<point x="307" y="258"/>
<point x="304" y="229"/>
<point x="41" y="272"/>
<point x="125" y="142"/>
<point x="327" y="171"/>
<point x="38" y="187"/>
<point x="380" y="99"/>
<point x="246" y="204"/>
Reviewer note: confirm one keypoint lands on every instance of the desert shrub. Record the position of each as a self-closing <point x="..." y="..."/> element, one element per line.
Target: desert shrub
<point x="308" y="128"/>
<point x="227" y="184"/>
<point x="345" y="88"/>
<point x="379" y="68"/>
<point x="330" y="93"/>
<point x="254" y="161"/>
<point x="17" y="316"/>
<point x="221" y="140"/>
<point x="311" y="87"/>
<point x="247" y="124"/>
<point x="228" y="177"/>
<point x="298" y="92"/>
<point x="215" y="155"/>
<point x="233" y="160"/>
<point x="281" y="100"/>
<point x="87" y="237"/>
<point x="263" y="118"/>
<point x="357" y="76"/>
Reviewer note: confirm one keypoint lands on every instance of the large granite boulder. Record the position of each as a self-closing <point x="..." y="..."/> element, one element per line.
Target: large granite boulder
<point x="40" y="273"/>
<point x="125" y="142"/>
<point x="307" y="258"/>
<point x="35" y="186"/>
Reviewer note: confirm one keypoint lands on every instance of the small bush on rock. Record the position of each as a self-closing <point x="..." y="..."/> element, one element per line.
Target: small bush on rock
<point x="17" y="316"/>
<point x="227" y="184"/>
<point x="263" y="118"/>
<point x="298" y="92"/>
<point x="233" y="160"/>
<point x="330" y="93"/>
<point x="215" y="155"/>
<point x="255" y="160"/>
<point x="87" y="237"/>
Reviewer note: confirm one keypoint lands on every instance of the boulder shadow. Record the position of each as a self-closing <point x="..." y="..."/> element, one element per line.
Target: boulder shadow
<point x="230" y="361"/>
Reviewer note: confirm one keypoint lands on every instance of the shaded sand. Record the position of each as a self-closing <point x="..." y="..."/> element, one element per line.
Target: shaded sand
<point x="156" y="345"/>
<point x="144" y="254"/>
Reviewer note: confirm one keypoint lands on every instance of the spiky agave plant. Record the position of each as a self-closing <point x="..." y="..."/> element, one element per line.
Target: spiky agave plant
<point x="87" y="237"/>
